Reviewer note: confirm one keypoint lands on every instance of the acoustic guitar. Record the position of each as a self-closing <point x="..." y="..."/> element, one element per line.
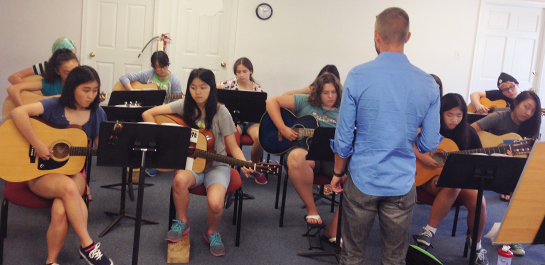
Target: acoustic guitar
<point x="201" y="150"/>
<point x="150" y="86"/>
<point x="273" y="141"/>
<point x="19" y="161"/>
<point x="495" y="105"/>
<point x="447" y="147"/>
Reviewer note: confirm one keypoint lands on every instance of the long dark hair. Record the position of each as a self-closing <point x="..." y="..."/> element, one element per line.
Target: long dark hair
<point x="57" y="59"/>
<point x="211" y="105"/>
<point x="330" y="68"/>
<point x="461" y="133"/>
<point x="79" y="75"/>
<point x="439" y="83"/>
<point x="315" y="97"/>
<point x="529" y="128"/>
<point x="246" y="62"/>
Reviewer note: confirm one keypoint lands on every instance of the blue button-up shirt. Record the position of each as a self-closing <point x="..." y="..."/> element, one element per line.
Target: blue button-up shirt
<point x="387" y="99"/>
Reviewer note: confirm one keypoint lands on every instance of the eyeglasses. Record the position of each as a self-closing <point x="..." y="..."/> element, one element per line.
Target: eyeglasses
<point x="505" y="90"/>
<point x="115" y="131"/>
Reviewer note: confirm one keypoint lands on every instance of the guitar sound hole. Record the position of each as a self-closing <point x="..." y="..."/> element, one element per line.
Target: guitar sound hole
<point x="295" y="128"/>
<point x="439" y="158"/>
<point x="61" y="151"/>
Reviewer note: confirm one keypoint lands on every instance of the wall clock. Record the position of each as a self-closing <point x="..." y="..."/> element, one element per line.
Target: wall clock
<point x="264" y="11"/>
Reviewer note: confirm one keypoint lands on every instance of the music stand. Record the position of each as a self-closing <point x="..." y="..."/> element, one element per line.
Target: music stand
<point x="142" y="145"/>
<point x="244" y="106"/>
<point x="144" y="97"/>
<point x="480" y="172"/>
<point x="320" y="150"/>
<point x="473" y="117"/>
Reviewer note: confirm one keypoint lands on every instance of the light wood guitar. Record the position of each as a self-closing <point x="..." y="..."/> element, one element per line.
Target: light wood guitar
<point x="496" y="105"/>
<point x="19" y="162"/>
<point x="202" y="152"/>
<point x="447" y="147"/>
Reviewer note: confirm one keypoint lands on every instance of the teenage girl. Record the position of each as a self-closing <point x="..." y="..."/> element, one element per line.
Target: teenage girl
<point x="200" y="109"/>
<point x="330" y="68"/>
<point x="57" y="69"/>
<point x="455" y="127"/>
<point x="39" y="68"/>
<point x="244" y="81"/>
<point x="77" y="105"/>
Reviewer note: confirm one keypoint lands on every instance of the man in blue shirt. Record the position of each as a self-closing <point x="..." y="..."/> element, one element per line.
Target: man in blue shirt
<point x="387" y="99"/>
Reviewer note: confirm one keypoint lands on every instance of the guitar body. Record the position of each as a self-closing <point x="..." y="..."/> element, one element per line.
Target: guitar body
<point x="500" y="103"/>
<point x="272" y="140"/>
<point x="491" y="140"/>
<point x="19" y="163"/>
<point x="425" y="173"/>
<point x="135" y="85"/>
<point x="205" y="142"/>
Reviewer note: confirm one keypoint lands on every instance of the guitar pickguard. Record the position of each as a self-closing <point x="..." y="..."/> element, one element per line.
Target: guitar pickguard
<point x="50" y="164"/>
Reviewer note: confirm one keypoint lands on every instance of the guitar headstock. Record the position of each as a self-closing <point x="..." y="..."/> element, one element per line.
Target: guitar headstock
<point x="269" y="168"/>
<point x="522" y="147"/>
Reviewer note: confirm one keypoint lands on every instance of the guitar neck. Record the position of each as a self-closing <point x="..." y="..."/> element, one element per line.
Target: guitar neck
<point x="224" y="159"/>
<point x="83" y="151"/>
<point x="304" y="132"/>
<point x="502" y="149"/>
<point x="173" y="96"/>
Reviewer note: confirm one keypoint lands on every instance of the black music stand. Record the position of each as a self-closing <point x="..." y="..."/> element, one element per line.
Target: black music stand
<point x="481" y="172"/>
<point x="142" y="145"/>
<point x="473" y="117"/>
<point x="244" y="106"/>
<point x="127" y="114"/>
<point x="320" y="150"/>
<point x="144" y="97"/>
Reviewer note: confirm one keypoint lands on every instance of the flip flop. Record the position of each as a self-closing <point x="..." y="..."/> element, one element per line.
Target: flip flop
<point x="505" y="198"/>
<point x="331" y="240"/>
<point x="315" y="217"/>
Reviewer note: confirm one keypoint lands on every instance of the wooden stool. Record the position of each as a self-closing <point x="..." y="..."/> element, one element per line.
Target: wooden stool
<point x="179" y="252"/>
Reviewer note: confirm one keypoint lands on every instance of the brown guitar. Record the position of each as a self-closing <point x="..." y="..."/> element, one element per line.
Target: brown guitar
<point x="496" y="105"/>
<point x="447" y="147"/>
<point x="140" y="86"/>
<point x="202" y="151"/>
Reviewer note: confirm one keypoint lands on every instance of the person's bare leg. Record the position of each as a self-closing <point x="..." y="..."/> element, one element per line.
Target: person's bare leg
<point x="302" y="176"/>
<point x="257" y="151"/>
<point x="183" y="180"/>
<point x="57" y="232"/>
<point x="469" y="199"/>
<point x="215" y="198"/>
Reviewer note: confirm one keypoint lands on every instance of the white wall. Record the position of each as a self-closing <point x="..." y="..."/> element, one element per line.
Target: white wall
<point x="287" y="50"/>
<point x="28" y="30"/>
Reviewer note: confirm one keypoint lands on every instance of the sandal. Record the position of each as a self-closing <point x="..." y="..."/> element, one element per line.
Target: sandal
<point x="505" y="197"/>
<point x="314" y="217"/>
<point x="330" y="240"/>
<point x="328" y="190"/>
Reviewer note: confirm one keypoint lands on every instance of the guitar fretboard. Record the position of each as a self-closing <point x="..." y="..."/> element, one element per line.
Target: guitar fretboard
<point x="173" y="96"/>
<point x="224" y="159"/>
<point x="304" y="132"/>
<point x="82" y="151"/>
<point x="516" y="149"/>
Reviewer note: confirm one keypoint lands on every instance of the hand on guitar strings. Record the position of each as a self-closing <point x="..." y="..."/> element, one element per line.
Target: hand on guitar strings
<point x="482" y="110"/>
<point x="247" y="171"/>
<point x="428" y="161"/>
<point x="336" y="183"/>
<point x="289" y="134"/>
<point x="43" y="151"/>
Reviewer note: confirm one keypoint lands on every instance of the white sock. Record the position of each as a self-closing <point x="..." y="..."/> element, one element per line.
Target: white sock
<point x="431" y="229"/>
<point x="479" y="246"/>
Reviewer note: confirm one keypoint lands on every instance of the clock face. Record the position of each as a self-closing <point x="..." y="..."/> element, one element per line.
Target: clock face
<point x="264" y="11"/>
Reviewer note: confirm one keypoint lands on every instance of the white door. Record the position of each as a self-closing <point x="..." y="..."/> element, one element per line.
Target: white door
<point x="508" y="41"/>
<point x="115" y="31"/>
<point x="200" y="41"/>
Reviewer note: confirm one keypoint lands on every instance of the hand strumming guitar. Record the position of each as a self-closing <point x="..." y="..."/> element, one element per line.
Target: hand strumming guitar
<point x="43" y="151"/>
<point x="428" y="161"/>
<point x="481" y="109"/>
<point x="288" y="133"/>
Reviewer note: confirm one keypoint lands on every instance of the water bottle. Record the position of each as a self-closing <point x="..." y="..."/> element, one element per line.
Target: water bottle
<point x="505" y="255"/>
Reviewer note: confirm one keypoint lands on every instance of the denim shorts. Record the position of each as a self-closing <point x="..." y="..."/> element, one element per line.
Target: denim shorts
<point x="245" y="125"/>
<point x="216" y="174"/>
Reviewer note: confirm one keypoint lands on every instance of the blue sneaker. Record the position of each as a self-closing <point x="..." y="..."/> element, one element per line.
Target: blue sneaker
<point x="152" y="172"/>
<point x="216" y="246"/>
<point x="94" y="256"/>
<point x="177" y="230"/>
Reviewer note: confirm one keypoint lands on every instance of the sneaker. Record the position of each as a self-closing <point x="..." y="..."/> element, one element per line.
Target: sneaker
<point x="216" y="246"/>
<point x="177" y="230"/>
<point x="481" y="259"/>
<point x="94" y="256"/>
<point x="152" y="172"/>
<point x="517" y="249"/>
<point x="259" y="178"/>
<point x="424" y="237"/>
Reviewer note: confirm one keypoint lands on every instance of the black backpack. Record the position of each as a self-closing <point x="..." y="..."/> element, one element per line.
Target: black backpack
<point x="418" y="256"/>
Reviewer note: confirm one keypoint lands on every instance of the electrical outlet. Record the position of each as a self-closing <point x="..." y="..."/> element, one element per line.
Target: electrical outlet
<point x="457" y="54"/>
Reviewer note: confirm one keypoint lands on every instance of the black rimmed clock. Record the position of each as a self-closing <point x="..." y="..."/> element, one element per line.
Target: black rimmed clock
<point x="264" y="11"/>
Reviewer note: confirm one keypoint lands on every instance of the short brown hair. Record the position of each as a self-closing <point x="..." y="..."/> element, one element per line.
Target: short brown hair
<point x="393" y="25"/>
<point x="315" y="98"/>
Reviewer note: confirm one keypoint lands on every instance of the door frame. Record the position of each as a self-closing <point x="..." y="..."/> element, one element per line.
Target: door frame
<point x="539" y="80"/>
<point x="84" y="22"/>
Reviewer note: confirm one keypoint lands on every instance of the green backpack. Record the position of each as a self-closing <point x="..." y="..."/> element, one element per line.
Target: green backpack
<point x="418" y="256"/>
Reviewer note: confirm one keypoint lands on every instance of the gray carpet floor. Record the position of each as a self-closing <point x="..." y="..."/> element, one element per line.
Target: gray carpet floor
<point x="262" y="240"/>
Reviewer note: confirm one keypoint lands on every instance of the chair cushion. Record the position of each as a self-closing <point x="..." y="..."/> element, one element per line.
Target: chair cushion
<point x="246" y="140"/>
<point x="20" y="194"/>
<point x="321" y="180"/>
<point x="234" y="184"/>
